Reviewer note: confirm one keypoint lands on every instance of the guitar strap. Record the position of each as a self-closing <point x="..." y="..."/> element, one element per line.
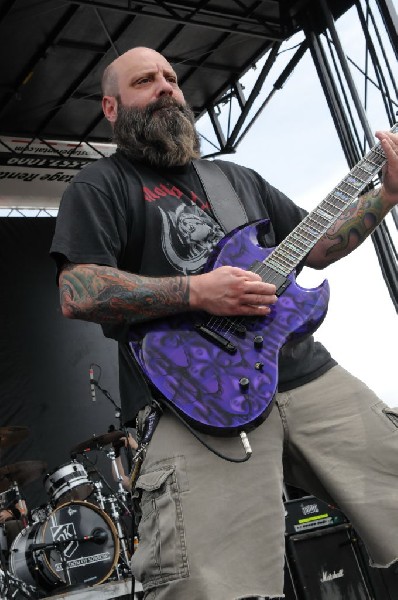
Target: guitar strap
<point x="225" y="203"/>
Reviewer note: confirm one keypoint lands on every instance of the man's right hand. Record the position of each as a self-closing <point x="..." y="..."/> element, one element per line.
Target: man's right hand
<point x="231" y="291"/>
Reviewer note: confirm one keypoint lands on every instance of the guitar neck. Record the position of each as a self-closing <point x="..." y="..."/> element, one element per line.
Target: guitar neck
<point x="285" y="258"/>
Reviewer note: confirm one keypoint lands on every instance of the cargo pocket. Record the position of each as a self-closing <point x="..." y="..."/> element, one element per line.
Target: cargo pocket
<point x="388" y="415"/>
<point x="392" y="414"/>
<point x="161" y="555"/>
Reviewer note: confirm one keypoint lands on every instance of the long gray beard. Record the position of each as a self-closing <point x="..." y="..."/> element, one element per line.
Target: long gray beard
<point x="162" y="134"/>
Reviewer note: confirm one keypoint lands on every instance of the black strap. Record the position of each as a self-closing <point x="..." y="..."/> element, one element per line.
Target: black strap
<point x="223" y="199"/>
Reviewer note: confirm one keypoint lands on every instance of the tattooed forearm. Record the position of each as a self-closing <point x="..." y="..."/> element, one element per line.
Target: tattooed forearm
<point x="353" y="227"/>
<point x="104" y="294"/>
<point x="356" y="223"/>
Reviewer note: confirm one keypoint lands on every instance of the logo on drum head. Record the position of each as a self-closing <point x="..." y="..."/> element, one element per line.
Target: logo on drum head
<point x="63" y="533"/>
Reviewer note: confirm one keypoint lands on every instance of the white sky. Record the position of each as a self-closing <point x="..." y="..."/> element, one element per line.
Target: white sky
<point x="295" y="147"/>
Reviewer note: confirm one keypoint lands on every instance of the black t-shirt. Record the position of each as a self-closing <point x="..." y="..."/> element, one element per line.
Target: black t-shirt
<point x="159" y="223"/>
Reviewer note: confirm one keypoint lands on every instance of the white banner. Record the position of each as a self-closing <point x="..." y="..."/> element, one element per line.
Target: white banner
<point x="34" y="173"/>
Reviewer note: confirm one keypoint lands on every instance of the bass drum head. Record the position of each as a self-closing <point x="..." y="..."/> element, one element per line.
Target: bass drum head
<point x="89" y="541"/>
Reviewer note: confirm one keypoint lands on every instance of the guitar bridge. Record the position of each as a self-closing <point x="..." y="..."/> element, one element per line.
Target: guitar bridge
<point x="216" y="339"/>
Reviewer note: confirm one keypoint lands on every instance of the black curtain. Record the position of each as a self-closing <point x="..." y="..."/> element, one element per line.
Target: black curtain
<point x="45" y="360"/>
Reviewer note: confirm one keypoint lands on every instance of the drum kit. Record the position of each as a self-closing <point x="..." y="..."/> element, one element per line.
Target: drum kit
<point x="79" y="538"/>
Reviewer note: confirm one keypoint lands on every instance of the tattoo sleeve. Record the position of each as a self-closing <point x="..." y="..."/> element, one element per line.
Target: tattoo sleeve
<point x="353" y="227"/>
<point x="104" y="294"/>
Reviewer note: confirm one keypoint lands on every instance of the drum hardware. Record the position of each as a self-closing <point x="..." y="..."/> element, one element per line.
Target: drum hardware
<point x="113" y="504"/>
<point x="98" y="495"/>
<point x="9" y="497"/>
<point x="97" y="442"/>
<point x="114" y="513"/>
<point x="40" y="513"/>
<point x="76" y="545"/>
<point x="98" y="536"/>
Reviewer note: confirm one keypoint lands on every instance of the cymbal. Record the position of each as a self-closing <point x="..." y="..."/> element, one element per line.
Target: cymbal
<point x="12" y="435"/>
<point x="22" y="472"/>
<point x="98" y="441"/>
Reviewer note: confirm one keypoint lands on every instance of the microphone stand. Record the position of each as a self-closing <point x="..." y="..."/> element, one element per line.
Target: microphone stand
<point x="118" y="415"/>
<point x="59" y="546"/>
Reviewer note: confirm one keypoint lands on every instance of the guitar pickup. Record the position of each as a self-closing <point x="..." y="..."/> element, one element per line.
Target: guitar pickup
<point x="216" y="339"/>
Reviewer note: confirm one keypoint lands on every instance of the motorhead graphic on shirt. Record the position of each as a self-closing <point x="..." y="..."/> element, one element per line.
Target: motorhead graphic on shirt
<point x="188" y="236"/>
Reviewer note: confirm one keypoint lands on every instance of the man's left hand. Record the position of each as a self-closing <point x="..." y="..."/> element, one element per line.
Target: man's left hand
<point x="389" y="143"/>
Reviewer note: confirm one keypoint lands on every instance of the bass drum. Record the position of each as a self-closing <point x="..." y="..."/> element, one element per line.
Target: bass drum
<point x="82" y="547"/>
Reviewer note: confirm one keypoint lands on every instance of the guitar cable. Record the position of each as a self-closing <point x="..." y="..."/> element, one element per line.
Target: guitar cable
<point x="242" y="434"/>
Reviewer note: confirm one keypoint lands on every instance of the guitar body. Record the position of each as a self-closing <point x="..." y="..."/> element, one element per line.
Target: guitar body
<point x="219" y="391"/>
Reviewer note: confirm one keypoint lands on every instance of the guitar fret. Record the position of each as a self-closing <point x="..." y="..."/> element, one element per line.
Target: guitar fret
<point x="277" y="266"/>
<point x="333" y="207"/>
<point x="375" y="164"/>
<point x="297" y="237"/>
<point x="379" y="152"/>
<point x="360" y="180"/>
<point x="340" y="195"/>
<point x="325" y="214"/>
<point x="351" y="188"/>
<point x="282" y="259"/>
<point x="304" y="236"/>
<point x="367" y="166"/>
<point x="314" y="222"/>
<point x="300" y="241"/>
<point x="293" y="248"/>
<point x="337" y="203"/>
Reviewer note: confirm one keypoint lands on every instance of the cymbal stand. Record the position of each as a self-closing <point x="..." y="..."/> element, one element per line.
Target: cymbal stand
<point x="112" y="501"/>
<point x="99" y="497"/>
<point x="115" y="502"/>
<point x="121" y="494"/>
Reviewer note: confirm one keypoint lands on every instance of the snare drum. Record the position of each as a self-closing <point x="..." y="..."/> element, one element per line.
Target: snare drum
<point x="68" y="482"/>
<point x="84" y="534"/>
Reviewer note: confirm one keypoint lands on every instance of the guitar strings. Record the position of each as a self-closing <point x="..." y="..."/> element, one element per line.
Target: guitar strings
<point x="336" y="200"/>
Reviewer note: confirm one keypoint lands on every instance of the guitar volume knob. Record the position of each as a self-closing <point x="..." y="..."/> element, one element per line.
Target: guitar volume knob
<point x="258" y="341"/>
<point x="244" y="384"/>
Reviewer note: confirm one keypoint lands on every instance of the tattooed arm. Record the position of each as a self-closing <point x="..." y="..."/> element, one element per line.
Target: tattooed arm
<point x="363" y="216"/>
<point x="105" y="294"/>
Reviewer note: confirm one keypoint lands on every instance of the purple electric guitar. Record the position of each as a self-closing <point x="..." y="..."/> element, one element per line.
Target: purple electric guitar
<point x="221" y="373"/>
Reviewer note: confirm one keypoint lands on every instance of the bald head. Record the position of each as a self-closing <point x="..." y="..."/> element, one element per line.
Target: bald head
<point x="137" y="78"/>
<point x="116" y="68"/>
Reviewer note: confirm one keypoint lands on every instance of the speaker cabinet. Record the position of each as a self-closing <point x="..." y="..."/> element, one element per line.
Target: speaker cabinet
<point x="325" y="565"/>
<point x="384" y="582"/>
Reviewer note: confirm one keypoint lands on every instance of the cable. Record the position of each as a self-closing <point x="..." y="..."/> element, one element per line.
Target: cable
<point x="243" y="436"/>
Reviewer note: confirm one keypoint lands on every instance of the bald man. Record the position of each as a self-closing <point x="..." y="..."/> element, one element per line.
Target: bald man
<point x="133" y="235"/>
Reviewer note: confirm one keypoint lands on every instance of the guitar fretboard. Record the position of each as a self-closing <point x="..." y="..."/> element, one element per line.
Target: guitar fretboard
<point x="285" y="258"/>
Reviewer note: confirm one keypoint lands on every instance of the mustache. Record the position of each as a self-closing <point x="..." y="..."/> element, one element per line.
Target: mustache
<point x="164" y="102"/>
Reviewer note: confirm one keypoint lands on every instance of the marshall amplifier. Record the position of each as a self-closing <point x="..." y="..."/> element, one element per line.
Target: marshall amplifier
<point x="310" y="513"/>
<point x="324" y="565"/>
<point x="384" y="581"/>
